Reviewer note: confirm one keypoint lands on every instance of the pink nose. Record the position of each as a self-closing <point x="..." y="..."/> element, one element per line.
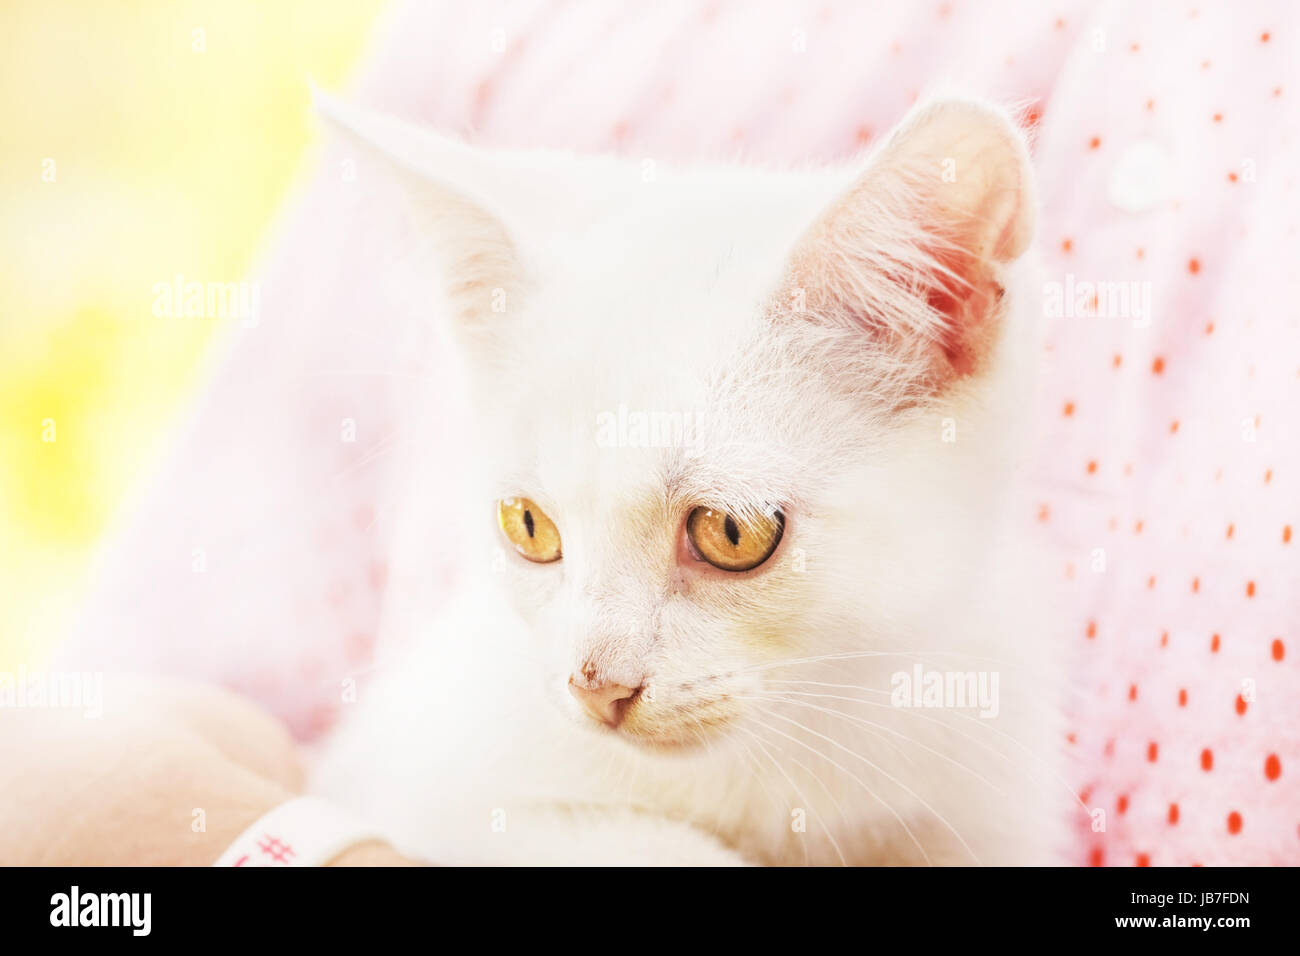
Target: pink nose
<point x="606" y="702"/>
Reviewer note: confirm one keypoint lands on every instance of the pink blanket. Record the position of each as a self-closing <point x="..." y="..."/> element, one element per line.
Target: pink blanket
<point x="1165" y="472"/>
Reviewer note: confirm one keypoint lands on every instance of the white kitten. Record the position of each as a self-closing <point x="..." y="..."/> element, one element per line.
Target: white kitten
<point x="670" y="374"/>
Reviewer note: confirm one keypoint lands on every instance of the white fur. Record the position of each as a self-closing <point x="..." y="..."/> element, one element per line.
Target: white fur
<point x="669" y="296"/>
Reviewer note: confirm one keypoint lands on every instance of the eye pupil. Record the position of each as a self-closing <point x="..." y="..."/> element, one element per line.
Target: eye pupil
<point x="716" y="537"/>
<point x="732" y="530"/>
<point x="529" y="528"/>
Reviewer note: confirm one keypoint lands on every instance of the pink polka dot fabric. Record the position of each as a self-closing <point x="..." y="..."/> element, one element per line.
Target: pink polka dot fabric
<point x="1165" y="474"/>
<point x="1172" y="484"/>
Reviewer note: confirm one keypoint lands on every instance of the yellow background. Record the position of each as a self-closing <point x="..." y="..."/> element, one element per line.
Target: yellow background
<point x="175" y="129"/>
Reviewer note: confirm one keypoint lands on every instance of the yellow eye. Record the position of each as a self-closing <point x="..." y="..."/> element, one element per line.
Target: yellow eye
<point x="731" y="544"/>
<point x="532" y="533"/>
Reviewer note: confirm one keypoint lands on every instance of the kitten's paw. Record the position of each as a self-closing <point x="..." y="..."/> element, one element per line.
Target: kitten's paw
<point x="568" y="837"/>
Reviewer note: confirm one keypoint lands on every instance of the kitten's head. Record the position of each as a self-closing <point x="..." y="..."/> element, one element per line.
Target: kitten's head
<point x="716" y="407"/>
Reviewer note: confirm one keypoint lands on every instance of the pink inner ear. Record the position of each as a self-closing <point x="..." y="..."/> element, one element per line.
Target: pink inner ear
<point x="952" y="339"/>
<point x="1016" y="234"/>
<point x="911" y="261"/>
<point x="967" y="300"/>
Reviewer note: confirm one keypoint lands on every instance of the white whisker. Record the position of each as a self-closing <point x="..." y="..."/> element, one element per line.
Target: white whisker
<point x="845" y="770"/>
<point x="916" y="743"/>
<point x="830" y="740"/>
<point x="984" y="724"/>
<point x="799" y="793"/>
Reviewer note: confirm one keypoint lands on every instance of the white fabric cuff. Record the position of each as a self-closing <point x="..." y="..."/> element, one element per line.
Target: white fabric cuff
<point x="304" y="831"/>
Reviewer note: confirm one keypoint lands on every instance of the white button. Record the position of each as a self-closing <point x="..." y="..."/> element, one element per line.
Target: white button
<point x="1142" y="178"/>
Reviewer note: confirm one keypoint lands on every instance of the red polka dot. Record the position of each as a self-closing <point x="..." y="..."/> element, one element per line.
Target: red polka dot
<point x="1272" y="767"/>
<point x="1153" y="750"/>
<point x="1241" y="705"/>
<point x="1278" y="650"/>
<point x="1097" y="856"/>
<point x="1092" y="467"/>
<point x="1132" y="691"/>
<point x="1117" y="361"/>
<point x="1286" y="534"/>
<point x="1144" y="859"/>
<point x="1193" y="266"/>
<point x="1218" y="118"/>
<point x="1214" y="644"/>
<point x="1207" y="759"/>
<point x="1121" y="804"/>
<point x="1069" y="409"/>
<point x="1232" y="177"/>
<point x="1263" y="37"/>
<point x="1092" y="629"/>
<point x="1094" y="143"/>
<point x="1067" y="245"/>
<point x="337" y="595"/>
<point x="1250" y="589"/>
<point x="1231" y="529"/>
<point x="1173" y="813"/>
<point x="1182" y="697"/>
<point x="1234" y="822"/>
<point x="1158" y="366"/>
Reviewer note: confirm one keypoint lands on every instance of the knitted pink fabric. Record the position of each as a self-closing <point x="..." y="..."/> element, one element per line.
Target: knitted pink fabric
<point x="1166" y="468"/>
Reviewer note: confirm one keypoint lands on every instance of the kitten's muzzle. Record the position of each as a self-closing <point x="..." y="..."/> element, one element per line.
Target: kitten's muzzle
<point x="605" y="702"/>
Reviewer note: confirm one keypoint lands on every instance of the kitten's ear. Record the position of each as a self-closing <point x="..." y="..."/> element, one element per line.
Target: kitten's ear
<point x="447" y="184"/>
<point x="913" y="252"/>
